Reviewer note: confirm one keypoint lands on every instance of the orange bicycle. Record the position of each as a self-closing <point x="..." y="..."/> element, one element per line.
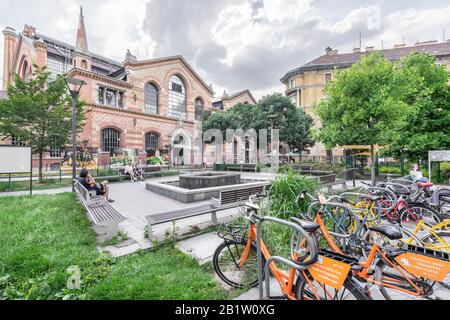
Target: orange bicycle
<point x="309" y="276"/>
<point x="399" y="272"/>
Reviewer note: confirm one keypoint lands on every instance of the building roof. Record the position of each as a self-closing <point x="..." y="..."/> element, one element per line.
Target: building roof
<point x="3" y="94"/>
<point x="329" y="61"/>
<point x="237" y="94"/>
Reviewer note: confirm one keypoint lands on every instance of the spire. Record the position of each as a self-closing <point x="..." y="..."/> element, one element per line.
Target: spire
<point x="81" y="44"/>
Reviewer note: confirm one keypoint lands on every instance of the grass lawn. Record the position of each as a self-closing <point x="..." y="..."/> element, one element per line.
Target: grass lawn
<point x="42" y="236"/>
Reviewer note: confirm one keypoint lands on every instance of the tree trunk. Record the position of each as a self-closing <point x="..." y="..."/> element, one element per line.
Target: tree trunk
<point x="40" y="167"/>
<point x="372" y="164"/>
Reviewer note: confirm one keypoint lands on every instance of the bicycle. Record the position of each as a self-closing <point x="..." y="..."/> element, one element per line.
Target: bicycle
<point x="407" y="270"/>
<point x="238" y="255"/>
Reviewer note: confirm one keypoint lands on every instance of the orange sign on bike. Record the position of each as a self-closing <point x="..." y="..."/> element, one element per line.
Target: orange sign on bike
<point x="423" y="266"/>
<point x="330" y="272"/>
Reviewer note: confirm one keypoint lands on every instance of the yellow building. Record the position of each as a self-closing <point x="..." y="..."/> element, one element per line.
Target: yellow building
<point x="305" y="85"/>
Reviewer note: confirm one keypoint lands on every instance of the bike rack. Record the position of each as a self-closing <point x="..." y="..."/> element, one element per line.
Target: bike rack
<point x="294" y="227"/>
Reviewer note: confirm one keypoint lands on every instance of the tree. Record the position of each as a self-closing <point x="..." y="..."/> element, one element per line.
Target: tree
<point x="219" y="121"/>
<point x="362" y="105"/>
<point x="37" y="112"/>
<point x="426" y="126"/>
<point x="294" y="123"/>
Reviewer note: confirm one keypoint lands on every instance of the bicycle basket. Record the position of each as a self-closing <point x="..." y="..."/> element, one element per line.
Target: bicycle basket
<point x="339" y="257"/>
<point x="232" y="232"/>
<point x="428" y="252"/>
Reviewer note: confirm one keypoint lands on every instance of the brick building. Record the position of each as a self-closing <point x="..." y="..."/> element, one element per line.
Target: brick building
<point x="305" y="85"/>
<point x="148" y="105"/>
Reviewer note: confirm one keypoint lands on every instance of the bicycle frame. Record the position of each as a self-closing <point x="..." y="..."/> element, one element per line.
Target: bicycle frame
<point x="376" y="250"/>
<point x="370" y="261"/>
<point x="422" y="225"/>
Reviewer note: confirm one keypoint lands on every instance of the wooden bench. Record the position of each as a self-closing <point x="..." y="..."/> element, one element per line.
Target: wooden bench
<point x="227" y="199"/>
<point x="247" y="167"/>
<point x="104" y="217"/>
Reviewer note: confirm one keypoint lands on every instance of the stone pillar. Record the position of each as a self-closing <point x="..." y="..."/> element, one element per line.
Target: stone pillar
<point x="9" y="52"/>
<point x="298" y="98"/>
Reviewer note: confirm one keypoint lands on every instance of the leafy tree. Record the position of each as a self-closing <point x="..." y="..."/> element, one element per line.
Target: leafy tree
<point x="294" y="123"/>
<point x="220" y="121"/>
<point x="38" y="112"/>
<point x="362" y="105"/>
<point x="426" y="126"/>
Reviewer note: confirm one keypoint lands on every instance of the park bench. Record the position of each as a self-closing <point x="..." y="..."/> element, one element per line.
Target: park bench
<point x="247" y="167"/>
<point x="227" y="199"/>
<point x="104" y="217"/>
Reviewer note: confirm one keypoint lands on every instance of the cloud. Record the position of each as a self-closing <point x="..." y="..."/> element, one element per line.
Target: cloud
<point x="233" y="44"/>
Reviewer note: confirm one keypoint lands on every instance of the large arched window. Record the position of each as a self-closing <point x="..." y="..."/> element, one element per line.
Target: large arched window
<point x="198" y="108"/>
<point x="24" y="74"/>
<point x="110" y="140"/>
<point x="151" y="143"/>
<point x="177" y="98"/>
<point x="151" y="98"/>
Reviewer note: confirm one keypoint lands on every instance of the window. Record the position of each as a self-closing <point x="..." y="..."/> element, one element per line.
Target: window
<point x="110" y="140"/>
<point x="15" y="141"/>
<point x="83" y="64"/>
<point x="110" y="97"/>
<point x="218" y="105"/>
<point x="292" y="83"/>
<point x="327" y="77"/>
<point x="56" y="65"/>
<point x="151" y="143"/>
<point x="151" y="99"/>
<point x="100" y="95"/>
<point x="293" y="99"/>
<point x="198" y="108"/>
<point x="25" y="74"/>
<point x="55" y="150"/>
<point x="177" y="98"/>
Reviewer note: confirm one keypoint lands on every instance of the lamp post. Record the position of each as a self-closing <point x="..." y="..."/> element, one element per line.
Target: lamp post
<point x="271" y="117"/>
<point x="74" y="86"/>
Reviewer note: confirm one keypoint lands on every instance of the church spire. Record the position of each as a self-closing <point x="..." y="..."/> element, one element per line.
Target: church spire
<point x="81" y="43"/>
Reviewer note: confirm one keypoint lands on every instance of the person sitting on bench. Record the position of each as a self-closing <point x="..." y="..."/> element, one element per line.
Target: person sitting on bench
<point x="129" y="171"/>
<point x="137" y="172"/>
<point x="89" y="183"/>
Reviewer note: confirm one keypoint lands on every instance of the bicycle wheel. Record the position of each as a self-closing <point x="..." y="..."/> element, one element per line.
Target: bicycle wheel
<point x="313" y="290"/>
<point x="439" y="241"/>
<point x="387" y="274"/>
<point x="226" y="264"/>
<point x="412" y="213"/>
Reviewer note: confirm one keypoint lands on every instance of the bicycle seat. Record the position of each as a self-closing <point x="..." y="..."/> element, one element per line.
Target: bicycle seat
<point x="424" y="184"/>
<point x="309" y="226"/>
<point x="392" y="232"/>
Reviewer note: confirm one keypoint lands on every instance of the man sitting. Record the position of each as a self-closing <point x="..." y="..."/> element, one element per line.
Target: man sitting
<point x="89" y="183"/>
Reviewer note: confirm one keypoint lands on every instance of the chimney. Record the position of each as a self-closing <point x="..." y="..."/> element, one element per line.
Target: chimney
<point x="426" y="43"/>
<point x="370" y="49"/>
<point x="29" y="31"/>
<point x="356" y="50"/>
<point x="398" y="46"/>
<point x="81" y="43"/>
<point x="10" y="36"/>
<point x="328" y="50"/>
<point x="333" y="52"/>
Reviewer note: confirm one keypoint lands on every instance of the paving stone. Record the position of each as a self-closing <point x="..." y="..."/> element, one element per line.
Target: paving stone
<point x="201" y="247"/>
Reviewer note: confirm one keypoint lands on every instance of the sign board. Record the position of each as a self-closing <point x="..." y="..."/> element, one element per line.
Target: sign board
<point x="15" y="159"/>
<point x="330" y="272"/>
<point x="441" y="155"/>
<point x="423" y="266"/>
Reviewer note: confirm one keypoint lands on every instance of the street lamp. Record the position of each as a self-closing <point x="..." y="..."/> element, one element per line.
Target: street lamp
<point x="271" y="117"/>
<point x="74" y="86"/>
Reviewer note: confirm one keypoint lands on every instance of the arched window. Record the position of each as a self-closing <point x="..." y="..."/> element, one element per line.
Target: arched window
<point x="83" y="64"/>
<point x="151" y="98"/>
<point x="25" y="70"/>
<point x="198" y="108"/>
<point x="110" y="140"/>
<point x="151" y="143"/>
<point x="177" y="98"/>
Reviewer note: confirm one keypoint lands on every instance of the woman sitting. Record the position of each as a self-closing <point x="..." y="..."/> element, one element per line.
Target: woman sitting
<point x="138" y="173"/>
<point x="89" y="183"/>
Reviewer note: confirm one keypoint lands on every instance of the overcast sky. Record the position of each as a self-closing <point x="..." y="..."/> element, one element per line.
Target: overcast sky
<point x="233" y="44"/>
